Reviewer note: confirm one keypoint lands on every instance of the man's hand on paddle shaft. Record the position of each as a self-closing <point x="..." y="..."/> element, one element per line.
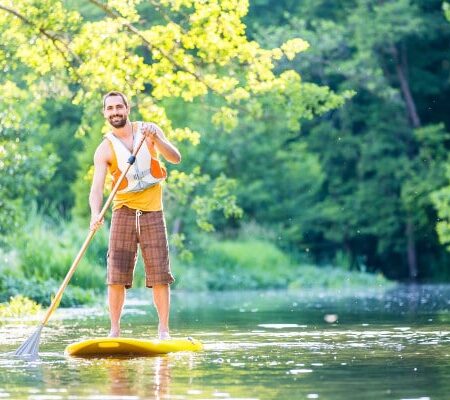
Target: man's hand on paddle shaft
<point x="153" y="131"/>
<point x="95" y="222"/>
<point x="161" y="143"/>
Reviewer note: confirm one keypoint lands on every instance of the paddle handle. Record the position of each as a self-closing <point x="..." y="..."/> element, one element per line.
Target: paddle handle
<point x="56" y="300"/>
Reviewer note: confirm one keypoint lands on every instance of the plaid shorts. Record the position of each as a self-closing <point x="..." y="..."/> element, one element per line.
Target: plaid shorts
<point x="128" y="228"/>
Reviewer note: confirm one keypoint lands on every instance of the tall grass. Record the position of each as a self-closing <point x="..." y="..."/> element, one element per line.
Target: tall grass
<point x="45" y="248"/>
<point x="247" y="263"/>
<point x="44" y="251"/>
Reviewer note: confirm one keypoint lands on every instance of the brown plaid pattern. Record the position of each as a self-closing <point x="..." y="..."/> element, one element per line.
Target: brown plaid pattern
<point x="123" y="246"/>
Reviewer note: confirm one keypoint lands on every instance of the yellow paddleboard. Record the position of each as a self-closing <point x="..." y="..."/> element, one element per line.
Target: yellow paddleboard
<point x="104" y="347"/>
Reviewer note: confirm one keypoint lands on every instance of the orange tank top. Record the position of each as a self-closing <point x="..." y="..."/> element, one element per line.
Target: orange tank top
<point x="149" y="199"/>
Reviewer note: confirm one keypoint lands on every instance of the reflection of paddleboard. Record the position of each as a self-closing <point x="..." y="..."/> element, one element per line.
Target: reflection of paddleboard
<point x="103" y="347"/>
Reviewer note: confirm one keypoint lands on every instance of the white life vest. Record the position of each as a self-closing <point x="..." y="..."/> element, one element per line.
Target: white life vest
<point x="146" y="170"/>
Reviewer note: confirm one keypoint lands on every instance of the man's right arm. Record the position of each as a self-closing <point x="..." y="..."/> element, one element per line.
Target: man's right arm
<point x="98" y="183"/>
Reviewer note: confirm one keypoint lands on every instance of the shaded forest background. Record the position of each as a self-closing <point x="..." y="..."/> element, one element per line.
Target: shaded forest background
<point x="332" y="154"/>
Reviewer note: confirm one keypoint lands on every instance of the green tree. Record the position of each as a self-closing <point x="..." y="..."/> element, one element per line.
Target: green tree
<point x="375" y="201"/>
<point x="441" y="197"/>
<point x="195" y="51"/>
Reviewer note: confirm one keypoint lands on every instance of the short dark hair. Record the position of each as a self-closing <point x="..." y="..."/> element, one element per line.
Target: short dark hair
<point x="115" y="93"/>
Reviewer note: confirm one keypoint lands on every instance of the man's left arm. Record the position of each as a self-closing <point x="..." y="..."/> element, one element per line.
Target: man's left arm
<point x="161" y="143"/>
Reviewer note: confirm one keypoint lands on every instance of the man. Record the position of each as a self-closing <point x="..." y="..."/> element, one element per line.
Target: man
<point x="137" y="208"/>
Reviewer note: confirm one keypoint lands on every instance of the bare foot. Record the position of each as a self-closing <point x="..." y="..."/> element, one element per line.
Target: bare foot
<point x="163" y="332"/>
<point x="114" y="333"/>
<point x="164" y="335"/>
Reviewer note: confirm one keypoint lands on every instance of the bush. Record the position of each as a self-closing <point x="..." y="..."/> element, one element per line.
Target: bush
<point x="43" y="292"/>
<point x="19" y="306"/>
<point x="245" y="264"/>
<point x="308" y="276"/>
<point x="46" y="250"/>
<point x="259" y="264"/>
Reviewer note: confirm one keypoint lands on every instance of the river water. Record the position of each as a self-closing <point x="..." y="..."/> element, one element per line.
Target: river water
<point x="371" y="344"/>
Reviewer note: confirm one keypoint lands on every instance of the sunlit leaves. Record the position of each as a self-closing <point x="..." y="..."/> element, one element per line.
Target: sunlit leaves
<point x="226" y="117"/>
<point x="45" y="14"/>
<point x="108" y="62"/>
<point x="441" y="201"/>
<point x="220" y="199"/>
<point x="206" y="195"/>
<point x="294" y="46"/>
<point x="19" y="306"/>
<point x="182" y="184"/>
<point x="11" y="115"/>
<point x="199" y="54"/>
<point x="180" y="134"/>
<point x="164" y="37"/>
<point x="175" y="5"/>
<point x="446" y="8"/>
<point x="152" y="112"/>
<point x="126" y="8"/>
<point x="197" y="49"/>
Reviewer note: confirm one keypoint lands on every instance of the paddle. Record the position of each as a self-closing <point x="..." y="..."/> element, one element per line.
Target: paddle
<point x="30" y="348"/>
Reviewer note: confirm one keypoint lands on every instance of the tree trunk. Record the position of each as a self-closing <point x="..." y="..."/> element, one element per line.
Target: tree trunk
<point x="349" y="252"/>
<point x="401" y="66"/>
<point x="401" y="69"/>
<point x="176" y="226"/>
<point x="412" y="253"/>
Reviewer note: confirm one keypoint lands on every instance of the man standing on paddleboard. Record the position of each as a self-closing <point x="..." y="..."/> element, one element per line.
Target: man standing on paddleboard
<point x="137" y="208"/>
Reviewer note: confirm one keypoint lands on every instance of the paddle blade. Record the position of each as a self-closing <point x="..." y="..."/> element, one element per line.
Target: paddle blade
<point x="30" y="348"/>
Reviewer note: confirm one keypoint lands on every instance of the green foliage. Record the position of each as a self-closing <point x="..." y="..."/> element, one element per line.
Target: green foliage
<point x="232" y="265"/>
<point x="333" y="278"/>
<point x="442" y="203"/>
<point x="13" y="283"/>
<point x="47" y="250"/>
<point x="44" y="251"/>
<point x="199" y="50"/>
<point x="446" y="8"/>
<point x="43" y="292"/>
<point x="441" y="197"/>
<point x="257" y="263"/>
<point x="380" y="162"/>
<point x="62" y="121"/>
<point x="18" y="306"/>
<point x="315" y="138"/>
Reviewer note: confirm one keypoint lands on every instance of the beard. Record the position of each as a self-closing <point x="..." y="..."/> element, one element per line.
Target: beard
<point x="118" y="121"/>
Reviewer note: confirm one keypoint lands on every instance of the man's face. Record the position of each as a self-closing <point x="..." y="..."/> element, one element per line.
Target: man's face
<point x="115" y="111"/>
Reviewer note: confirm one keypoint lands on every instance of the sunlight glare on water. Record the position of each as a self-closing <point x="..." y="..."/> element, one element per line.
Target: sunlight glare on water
<point x="284" y="345"/>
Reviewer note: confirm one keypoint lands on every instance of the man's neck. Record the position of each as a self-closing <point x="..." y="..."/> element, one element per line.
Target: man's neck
<point x="123" y="132"/>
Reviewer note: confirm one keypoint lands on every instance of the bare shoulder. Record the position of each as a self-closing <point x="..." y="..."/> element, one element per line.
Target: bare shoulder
<point x="103" y="153"/>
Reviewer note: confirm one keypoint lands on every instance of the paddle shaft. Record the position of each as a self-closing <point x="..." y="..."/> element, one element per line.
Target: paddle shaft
<point x="89" y="237"/>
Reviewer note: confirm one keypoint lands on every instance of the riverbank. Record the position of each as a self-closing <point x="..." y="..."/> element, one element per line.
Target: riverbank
<point x="34" y="268"/>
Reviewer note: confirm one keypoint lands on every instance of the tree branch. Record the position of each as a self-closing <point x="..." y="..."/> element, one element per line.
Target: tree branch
<point x="405" y="87"/>
<point x="54" y="39"/>
<point x="131" y="28"/>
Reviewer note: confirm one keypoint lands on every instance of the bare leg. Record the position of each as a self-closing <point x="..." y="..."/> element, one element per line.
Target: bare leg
<point x="116" y="299"/>
<point x="161" y="298"/>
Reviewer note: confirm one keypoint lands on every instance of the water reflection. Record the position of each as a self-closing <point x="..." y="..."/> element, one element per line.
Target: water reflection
<point x="145" y="377"/>
<point x="126" y="378"/>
